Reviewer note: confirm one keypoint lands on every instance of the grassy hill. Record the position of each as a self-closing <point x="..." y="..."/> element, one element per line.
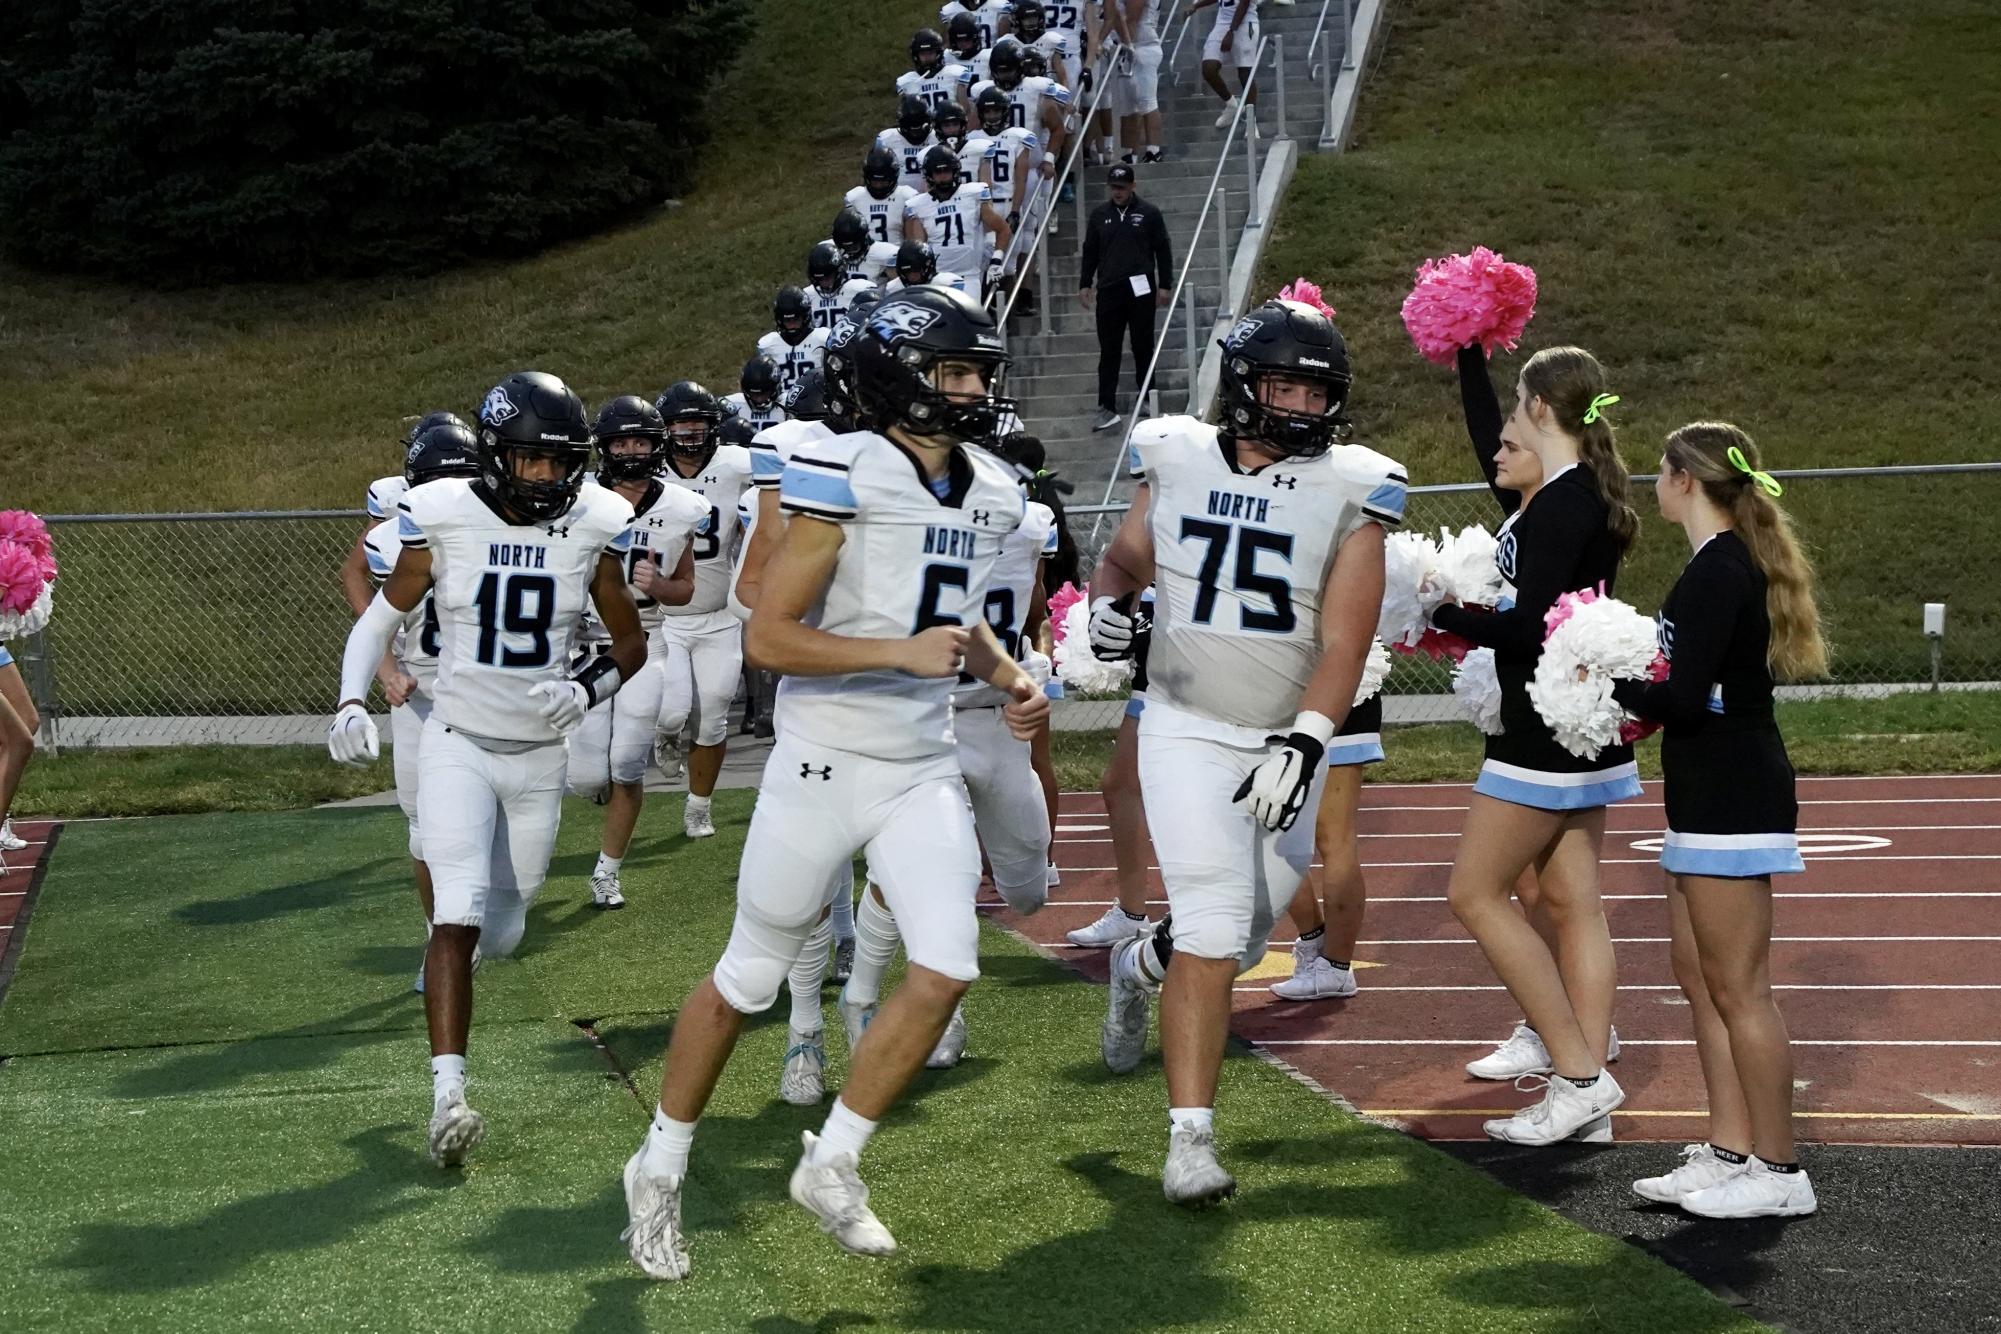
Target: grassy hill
<point x="288" y="397"/>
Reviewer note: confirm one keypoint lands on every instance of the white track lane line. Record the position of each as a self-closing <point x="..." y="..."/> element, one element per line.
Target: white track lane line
<point x="1623" y="1042"/>
<point x="1671" y="986"/>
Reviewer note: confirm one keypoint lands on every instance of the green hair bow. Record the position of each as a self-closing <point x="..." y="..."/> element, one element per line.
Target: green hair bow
<point x="1598" y="404"/>
<point x="1766" y="482"/>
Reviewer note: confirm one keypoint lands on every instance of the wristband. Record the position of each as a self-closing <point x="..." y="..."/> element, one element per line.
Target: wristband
<point x="1316" y="725"/>
<point x="601" y="679"/>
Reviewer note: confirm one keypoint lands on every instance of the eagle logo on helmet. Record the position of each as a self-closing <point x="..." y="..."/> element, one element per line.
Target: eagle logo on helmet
<point x="891" y="322"/>
<point x="1241" y="334"/>
<point x="498" y="407"/>
<point x="410" y="454"/>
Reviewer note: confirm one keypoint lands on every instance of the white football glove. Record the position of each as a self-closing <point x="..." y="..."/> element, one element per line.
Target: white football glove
<point x="1278" y="788"/>
<point x="352" y="739"/>
<point x="1038" y="667"/>
<point x="1112" y="628"/>
<point x="563" y="703"/>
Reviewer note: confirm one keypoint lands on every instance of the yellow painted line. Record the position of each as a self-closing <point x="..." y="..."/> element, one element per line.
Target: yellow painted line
<point x="1278" y="963"/>
<point x="1825" y="1116"/>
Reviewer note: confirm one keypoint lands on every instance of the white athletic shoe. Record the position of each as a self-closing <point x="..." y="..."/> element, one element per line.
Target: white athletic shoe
<point x="1754" y="1192"/>
<point x="1229" y="110"/>
<point x="653" y="1222"/>
<point x="1700" y="1169"/>
<point x="855" y="1018"/>
<point x="697" y="823"/>
<point x="13" y="842"/>
<point x="1128" y="1007"/>
<point x="1053" y="879"/>
<point x="1193" y="1176"/>
<point x="951" y="1048"/>
<point x="844" y="961"/>
<point x="833" y="1193"/>
<point x="1595" y="1132"/>
<point x="803" y="1083"/>
<point x="1314" y="978"/>
<point x="1563" y="1110"/>
<point x="605" y="890"/>
<point x="1114" y="928"/>
<point x="667" y="757"/>
<point x="1524" y="1054"/>
<point x="1612" y="1045"/>
<point x="455" y="1129"/>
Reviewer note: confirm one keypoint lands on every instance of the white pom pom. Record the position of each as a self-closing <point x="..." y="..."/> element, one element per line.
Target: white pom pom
<point x="1408" y="559"/>
<point x="1598" y="642"/>
<point x="1076" y="666"/>
<point x="1466" y="571"/>
<point x="18" y="625"/>
<point x="1478" y="689"/>
<point x="1375" y="668"/>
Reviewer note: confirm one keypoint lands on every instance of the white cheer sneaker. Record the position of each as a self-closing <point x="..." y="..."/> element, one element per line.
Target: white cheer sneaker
<point x="1193" y="1176"/>
<point x="1114" y="928"/>
<point x="653" y="1222"/>
<point x="833" y="1192"/>
<point x="1563" y="1110"/>
<point x="1700" y="1169"/>
<point x="803" y="1082"/>
<point x="1314" y="978"/>
<point x="1755" y="1192"/>
<point x="1524" y="1054"/>
<point x="13" y="842"/>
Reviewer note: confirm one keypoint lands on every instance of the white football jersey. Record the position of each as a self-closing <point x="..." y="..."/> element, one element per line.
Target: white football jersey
<point x="976" y="63"/>
<point x="954" y="228"/>
<point x="829" y="307"/>
<point x="509" y="598"/>
<point x="945" y="88"/>
<point x="383" y="493"/>
<point x="988" y="16"/>
<point x="666" y="521"/>
<point x="942" y="278"/>
<point x="910" y="559"/>
<point x="721" y="485"/>
<point x="1010" y="593"/>
<point x="769" y="451"/>
<point x="759" y="418"/>
<point x="1065" y="16"/>
<point x="910" y="155"/>
<point x="884" y="216"/>
<point x="793" y="358"/>
<point x="1240" y="560"/>
<point x="416" y="646"/>
<point x="1026" y="101"/>
<point x="1062" y="51"/>
<point x="1002" y="155"/>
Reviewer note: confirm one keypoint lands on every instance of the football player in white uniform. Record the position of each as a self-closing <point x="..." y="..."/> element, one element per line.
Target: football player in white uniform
<point x="510" y="559"/>
<point x="794" y="344"/>
<point x="383" y="493"/>
<point x="880" y="198"/>
<point x="609" y="749"/>
<point x="756" y="398"/>
<point x="909" y="139"/>
<point x="1266" y="546"/>
<point x="955" y="219"/>
<point x="989" y="18"/>
<point x="701" y="643"/>
<point x="408" y="672"/>
<point x="1010" y="154"/>
<point x="852" y="237"/>
<point x="1062" y="49"/>
<point x="930" y="77"/>
<point x="1233" y="37"/>
<point x="827" y="285"/>
<point x="871" y="608"/>
<point x="1036" y="103"/>
<point x="963" y="46"/>
<point x="917" y="266"/>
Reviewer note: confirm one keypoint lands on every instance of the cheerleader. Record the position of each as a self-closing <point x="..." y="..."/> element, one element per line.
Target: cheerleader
<point x="1741" y="614"/>
<point x="18" y="722"/>
<point x="1534" y="803"/>
<point x="1329" y="924"/>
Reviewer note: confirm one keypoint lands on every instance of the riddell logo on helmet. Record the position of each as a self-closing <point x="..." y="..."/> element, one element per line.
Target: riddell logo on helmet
<point x="498" y="407"/>
<point x="1309" y="361"/>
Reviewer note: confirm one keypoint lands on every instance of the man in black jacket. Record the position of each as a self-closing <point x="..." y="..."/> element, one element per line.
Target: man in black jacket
<point x="1128" y="272"/>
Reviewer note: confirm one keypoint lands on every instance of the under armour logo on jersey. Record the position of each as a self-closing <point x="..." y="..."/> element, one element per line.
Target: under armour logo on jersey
<point x="555" y="531"/>
<point x="894" y="320"/>
<point x="981" y="518"/>
<point x="1289" y="483"/>
<point x="825" y="773"/>
<point x="498" y="407"/>
<point x="711" y="481"/>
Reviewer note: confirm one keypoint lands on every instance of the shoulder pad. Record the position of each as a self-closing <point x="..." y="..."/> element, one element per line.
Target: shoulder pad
<point x="1380" y="480"/>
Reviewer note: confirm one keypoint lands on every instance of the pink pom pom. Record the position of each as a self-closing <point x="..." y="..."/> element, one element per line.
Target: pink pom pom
<point x="1306" y="294"/>
<point x="1566" y="604"/>
<point x="1060" y="603"/>
<point x="19" y="526"/>
<point x="20" y="577"/>
<point x="1463" y="300"/>
<point x="1637" y="730"/>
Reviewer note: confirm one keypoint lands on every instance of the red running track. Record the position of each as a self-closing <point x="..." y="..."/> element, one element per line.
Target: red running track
<point x="1887" y="957"/>
<point x="20" y="878"/>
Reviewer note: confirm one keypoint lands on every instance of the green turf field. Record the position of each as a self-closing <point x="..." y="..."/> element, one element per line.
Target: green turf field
<point x="216" y="1078"/>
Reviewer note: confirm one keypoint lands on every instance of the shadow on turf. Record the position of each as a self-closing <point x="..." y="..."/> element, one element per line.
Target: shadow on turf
<point x="1541" y="1286"/>
<point x="334" y="891"/>
<point x="217" y="1065"/>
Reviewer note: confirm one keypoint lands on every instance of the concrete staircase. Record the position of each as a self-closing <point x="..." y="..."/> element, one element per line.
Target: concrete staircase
<point x="1054" y="376"/>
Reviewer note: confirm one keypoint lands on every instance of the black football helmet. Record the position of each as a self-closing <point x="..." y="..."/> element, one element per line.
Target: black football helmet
<point x="1027" y="20"/>
<point x="881" y="170"/>
<point x="759" y="383"/>
<point x="427" y="421"/>
<point x="962" y="33"/>
<point x="792" y="315"/>
<point x="805" y="399"/>
<point x="623" y="417"/>
<point x="1004" y="65"/>
<point x="838" y="371"/>
<point x="916" y="263"/>
<point x="442" y="449"/>
<point x="1034" y="65"/>
<point x="992" y="107"/>
<point x="927" y="51"/>
<point x="735" y="430"/>
<point x="824" y="268"/>
<point x="941" y="172"/>
<point x="533" y="414"/>
<point x="1296" y="341"/>
<point x="949" y="124"/>
<point x="913" y="117"/>
<point x="851" y="236"/>
<point x="904" y="341"/>
<point x="862" y="303"/>
<point x="693" y="416"/>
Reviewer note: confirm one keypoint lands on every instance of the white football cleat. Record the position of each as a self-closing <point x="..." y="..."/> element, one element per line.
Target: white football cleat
<point x="803" y="1083"/>
<point x="855" y="1019"/>
<point x="1313" y="978"/>
<point x="1229" y="110"/>
<point x="1563" y="1110"/>
<point x="1114" y="928"/>
<point x="1755" y="1192"/>
<point x="1128" y="1007"/>
<point x="1700" y="1169"/>
<point x="653" y="1222"/>
<point x="1193" y="1176"/>
<point x="667" y="757"/>
<point x="951" y="1048"/>
<point x="833" y="1193"/>
<point x="606" y="891"/>
<point x="455" y="1129"/>
<point x="13" y="842"/>
<point x="698" y="823"/>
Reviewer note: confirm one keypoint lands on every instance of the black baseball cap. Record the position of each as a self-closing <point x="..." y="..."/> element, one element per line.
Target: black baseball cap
<point x="1120" y="174"/>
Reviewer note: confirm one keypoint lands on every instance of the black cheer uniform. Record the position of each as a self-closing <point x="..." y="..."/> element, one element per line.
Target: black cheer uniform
<point x="1558" y="543"/>
<point x="1730" y="804"/>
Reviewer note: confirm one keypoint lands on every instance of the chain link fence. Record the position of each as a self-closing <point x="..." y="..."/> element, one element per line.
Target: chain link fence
<point x="194" y="621"/>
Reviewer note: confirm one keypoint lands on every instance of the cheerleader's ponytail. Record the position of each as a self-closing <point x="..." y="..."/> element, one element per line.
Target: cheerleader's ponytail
<point x="1572" y="383"/>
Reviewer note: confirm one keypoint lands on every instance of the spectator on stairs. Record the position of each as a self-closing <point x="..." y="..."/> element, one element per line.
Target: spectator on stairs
<point x="1127" y="273"/>
<point x="1233" y="37"/>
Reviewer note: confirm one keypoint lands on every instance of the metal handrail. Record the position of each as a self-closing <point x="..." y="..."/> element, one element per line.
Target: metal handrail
<point x="1181" y="283"/>
<point x="1174" y="51"/>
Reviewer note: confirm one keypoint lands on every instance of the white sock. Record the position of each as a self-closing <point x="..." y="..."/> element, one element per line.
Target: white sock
<point x="697" y="805"/>
<point x="809" y="970"/>
<point x="1153" y="148"/>
<point x="1140" y="962"/>
<point x="876" y="937"/>
<point x="447" y="1073"/>
<point x="667" y="1145"/>
<point x="1310" y="945"/>
<point x="842" y="915"/>
<point x="608" y="864"/>
<point x="1191" y="1118"/>
<point x="845" y="1132"/>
